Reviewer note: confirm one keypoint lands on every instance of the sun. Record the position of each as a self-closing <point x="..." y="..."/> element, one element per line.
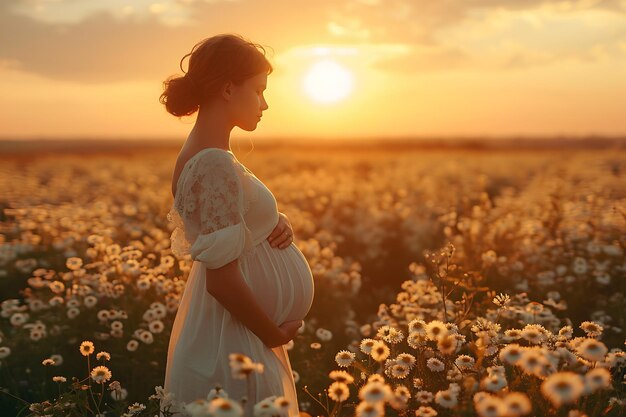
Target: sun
<point x="328" y="82"/>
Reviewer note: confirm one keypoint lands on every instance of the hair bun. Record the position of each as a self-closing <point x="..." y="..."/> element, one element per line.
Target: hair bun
<point x="221" y="58"/>
<point x="180" y="97"/>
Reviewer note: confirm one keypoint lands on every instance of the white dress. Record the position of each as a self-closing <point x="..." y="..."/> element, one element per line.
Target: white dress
<point x="223" y="212"/>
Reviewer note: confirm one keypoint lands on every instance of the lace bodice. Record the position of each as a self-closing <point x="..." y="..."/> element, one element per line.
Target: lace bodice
<point x="211" y="211"/>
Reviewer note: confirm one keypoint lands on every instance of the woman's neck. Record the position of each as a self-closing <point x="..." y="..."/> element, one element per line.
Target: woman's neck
<point x="212" y="128"/>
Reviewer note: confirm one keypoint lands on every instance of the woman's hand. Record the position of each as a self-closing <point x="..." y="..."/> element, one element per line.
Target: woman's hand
<point x="285" y="333"/>
<point x="289" y="330"/>
<point x="282" y="235"/>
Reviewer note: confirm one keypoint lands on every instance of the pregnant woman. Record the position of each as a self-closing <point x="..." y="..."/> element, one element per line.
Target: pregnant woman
<point x="249" y="286"/>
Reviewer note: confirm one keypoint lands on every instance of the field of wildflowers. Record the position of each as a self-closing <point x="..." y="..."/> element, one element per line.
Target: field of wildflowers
<point x="485" y="283"/>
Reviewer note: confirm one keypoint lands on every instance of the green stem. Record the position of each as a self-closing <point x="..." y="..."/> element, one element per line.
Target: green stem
<point x="11" y="395"/>
<point x="22" y="410"/>
<point x="315" y="399"/>
<point x="88" y="372"/>
<point x="326" y="393"/>
<point x="89" y="384"/>
<point x="101" y="396"/>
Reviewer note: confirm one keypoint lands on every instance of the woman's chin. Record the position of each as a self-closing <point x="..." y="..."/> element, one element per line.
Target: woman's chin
<point x="249" y="128"/>
<point x="250" y="125"/>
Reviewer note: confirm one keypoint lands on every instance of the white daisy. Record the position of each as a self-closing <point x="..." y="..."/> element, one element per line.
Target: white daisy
<point x="146" y="337"/>
<point x="344" y="358"/>
<point x="366" y="345"/>
<point x="136" y="408"/>
<point x="90" y="301"/>
<point x="132" y="345"/>
<point x="380" y="351"/>
<point x="265" y="407"/>
<point x="282" y="404"/>
<point x="399" y="371"/>
<point x="237" y="359"/>
<point x="246" y="369"/>
<point x="592" y="350"/>
<point x="566" y="332"/>
<point x="502" y="300"/>
<point x="494" y="382"/>
<point x="402" y="391"/>
<point x="446" y="399"/>
<point x="224" y="407"/>
<point x="534" y="333"/>
<point x="531" y="361"/>
<point x="100" y="374"/>
<point x="376" y="378"/>
<point x="425" y="411"/>
<point x="562" y="388"/>
<point x="374" y="392"/>
<point x="597" y="378"/>
<point x="323" y="334"/>
<point x="74" y="263"/>
<point x="341" y="376"/>
<point x="591" y="328"/>
<point x="447" y="344"/>
<point x="390" y="334"/>
<point x="454" y="375"/>
<point x="338" y="391"/>
<point x="416" y="339"/>
<point x="436" y="329"/>
<point x="367" y="409"/>
<point x="512" y="334"/>
<point x="87" y="348"/>
<point x="511" y="353"/>
<point x="435" y="365"/>
<point x="156" y="326"/>
<point x="518" y="403"/>
<point x="464" y="361"/>
<point x="424" y="397"/>
<point x="58" y="359"/>
<point x="406" y="359"/>
<point x="417" y="326"/>
<point x="216" y="392"/>
<point x="489" y="405"/>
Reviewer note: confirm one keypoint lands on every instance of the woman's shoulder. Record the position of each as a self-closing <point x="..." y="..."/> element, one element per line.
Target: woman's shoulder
<point x="214" y="154"/>
<point x="209" y="160"/>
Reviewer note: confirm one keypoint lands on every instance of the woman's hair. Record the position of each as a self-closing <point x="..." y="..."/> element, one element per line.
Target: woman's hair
<point x="212" y="62"/>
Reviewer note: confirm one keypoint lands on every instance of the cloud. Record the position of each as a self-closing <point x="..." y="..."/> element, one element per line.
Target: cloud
<point x="100" y="48"/>
<point x="101" y="44"/>
<point x="104" y="48"/>
<point x="504" y="35"/>
<point x="515" y="40"/>
<point x="420" y="22"/>
<point x="74" y="11"/>
<point x="426" y="59"/>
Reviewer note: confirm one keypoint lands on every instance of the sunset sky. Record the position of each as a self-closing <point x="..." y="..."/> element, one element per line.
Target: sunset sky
<point x="94" y="68"/>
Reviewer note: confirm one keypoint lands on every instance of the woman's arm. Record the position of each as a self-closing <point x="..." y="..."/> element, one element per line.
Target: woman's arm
<point x="228" y="286"/>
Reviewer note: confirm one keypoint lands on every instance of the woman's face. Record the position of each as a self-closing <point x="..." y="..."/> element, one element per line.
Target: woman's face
<point x="247" y="102"/>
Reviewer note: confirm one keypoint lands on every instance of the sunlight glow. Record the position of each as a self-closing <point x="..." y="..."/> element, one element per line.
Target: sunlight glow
<point x="328" y="82"/>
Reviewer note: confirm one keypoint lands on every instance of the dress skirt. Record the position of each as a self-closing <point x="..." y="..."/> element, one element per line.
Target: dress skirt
<point x="205" y="333"/>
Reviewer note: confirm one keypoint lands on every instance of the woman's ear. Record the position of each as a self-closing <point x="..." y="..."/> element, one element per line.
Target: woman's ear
<point x="227" y="89"/>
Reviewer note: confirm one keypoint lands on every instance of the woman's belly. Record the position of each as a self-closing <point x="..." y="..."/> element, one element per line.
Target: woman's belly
<point x="281" y="279"/>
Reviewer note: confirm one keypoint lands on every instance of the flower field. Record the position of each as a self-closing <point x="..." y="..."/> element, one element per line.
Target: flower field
<point x="447" y="283"/>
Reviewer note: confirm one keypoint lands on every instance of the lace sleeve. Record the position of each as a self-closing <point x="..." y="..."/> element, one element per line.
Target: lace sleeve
<point x="208" y="211"/>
